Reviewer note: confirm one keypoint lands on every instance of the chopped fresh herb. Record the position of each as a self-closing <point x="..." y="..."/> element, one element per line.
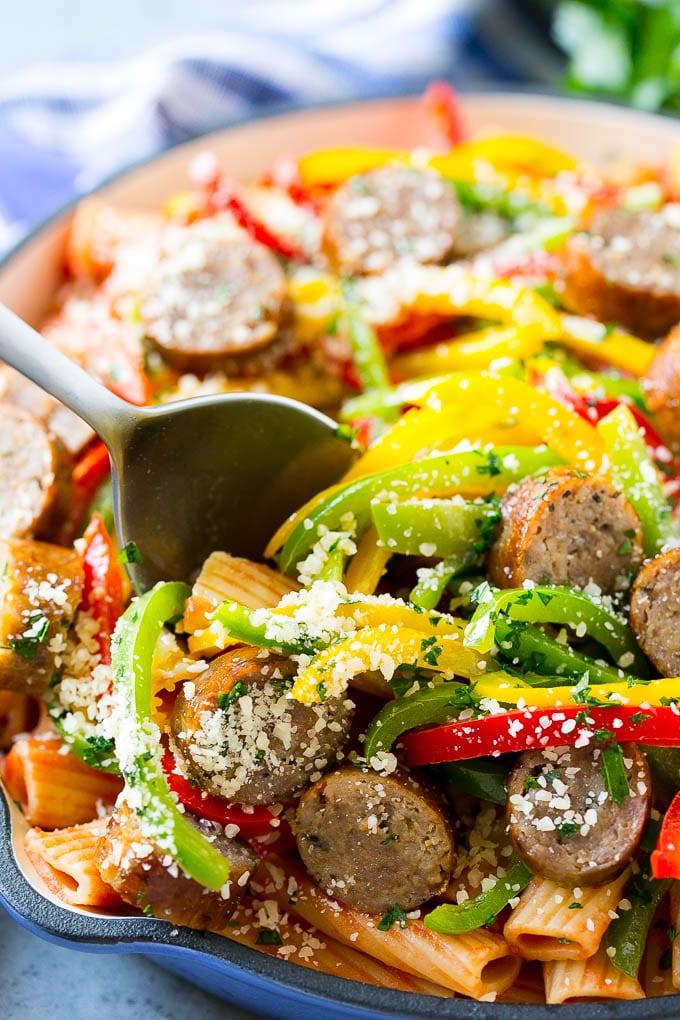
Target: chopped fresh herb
<point x="225" y="699"/>
<point x="564" y="942"/>
<point x="26" y="645"/>
<point x="389" y="839"/>
<point x="395" y="915"/>
<point x="492" y="466"/>
<point x="575" y="905"/>
<point x="97" y="750"/>
<point x="637" y="718"/>
<point x="669" y="259"/>
<point x="615" y="775"/>
<point x="626" y="548"/>
<point x="672" y="932"/>
<point x="568" y="830"/>
<point x="321" y="690"/>
<point x="531" y="783"/>
<point x="267" y="937"/>
<point x="666" y="960"/>
<point x="147" y="911"/>
<point x="130" y="553"/>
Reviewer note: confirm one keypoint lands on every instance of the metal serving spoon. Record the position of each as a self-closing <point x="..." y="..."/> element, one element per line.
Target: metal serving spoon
<point x="216" y="472"/>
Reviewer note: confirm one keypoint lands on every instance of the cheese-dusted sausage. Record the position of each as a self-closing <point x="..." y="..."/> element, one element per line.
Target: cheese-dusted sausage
<point x="40" y="590"/>
<point x="35" y="477"/>
<point x="563" y="821"/>
<point x="237" y="734"/>
<point x="661" y="384"/>
<point x="212" y="302"/>
<point x="626" y="268"/>
<point x="566" y="527"/>
<point x="375" y="840"/>
<point x="655" y="611"/>
<point x="389" y="214"/>
<point x="147" y="878"/>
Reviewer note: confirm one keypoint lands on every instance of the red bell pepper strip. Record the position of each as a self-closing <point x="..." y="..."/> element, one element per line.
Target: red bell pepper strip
<point x="665" y="859"/>
<point x="443" y="116"/>
<point x="88" y="474"/>
<point x="258" y="822"/>
<point x="103" y="585"/>
<point x="222" y="194"/>
<point x="285" y="175"/>
<point x="536" y="728"/>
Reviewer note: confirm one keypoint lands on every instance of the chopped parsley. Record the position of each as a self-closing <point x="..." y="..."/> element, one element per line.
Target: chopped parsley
<point x="395" y="915"/>
<point x="268" y="937"/>
<point x="568" y="830"/>
<point x="97" y="750"/>
<point x="26" y="645"/>
<point x="225" y="699"/>
<point x="321" y="691"/>
<point x="492" y="467"/>
<point x="575" y="905"/>
<point x="130" y="553"/>
<point x="389" y="839"/>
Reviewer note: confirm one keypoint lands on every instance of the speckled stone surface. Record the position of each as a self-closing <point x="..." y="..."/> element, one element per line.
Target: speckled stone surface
<point x="38" y="979"/>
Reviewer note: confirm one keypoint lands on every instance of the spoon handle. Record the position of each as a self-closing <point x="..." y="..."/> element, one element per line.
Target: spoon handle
<point x="29" y="353"/>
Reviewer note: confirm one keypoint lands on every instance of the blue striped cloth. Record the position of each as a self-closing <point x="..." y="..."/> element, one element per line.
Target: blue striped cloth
<point x="66" y="126"/>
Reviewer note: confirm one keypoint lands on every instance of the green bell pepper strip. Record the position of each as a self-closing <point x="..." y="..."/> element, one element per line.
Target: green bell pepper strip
<point x="529" y="650"/>
<point x="475" y="197"/>
<point x="379" y="403"/>
<point x="427" y="706"/>
<point x="138" y="744"/>
<point x="333" y="568"/>
<point x="552" y="604"/>
<point x="433" y="581"/>
<point x="367" y="354"/>
<point x="439" y="474"/>
<point x="484" y="778"/>
<point x="435" y="527"/>
<point x="633" y="470"/>
<point x="458" y="919"/>
<point x="237" y="620"/>
<point x="627" y="934"/>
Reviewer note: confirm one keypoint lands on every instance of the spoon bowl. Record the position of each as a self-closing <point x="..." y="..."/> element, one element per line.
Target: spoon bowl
<point x="214" y="472"/>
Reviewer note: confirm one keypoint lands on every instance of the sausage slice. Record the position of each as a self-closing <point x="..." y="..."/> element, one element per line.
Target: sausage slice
<point x="661" y="384"/>
<point x="210" y="302"/>
<point x="655" y="611"/>
<point x="564" y="824"/>
<point x="40" y="588"/>
<point x="35" y="480"/>
<point x="626" y="268"/>
<point x="375" y="840"/>
<point x="146" y="878"/>
<point x="238" y="734"/>
<point x="389" y="214"/>
<point x="566" y="527"/>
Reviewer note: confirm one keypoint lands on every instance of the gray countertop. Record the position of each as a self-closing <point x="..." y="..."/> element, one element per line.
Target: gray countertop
<point x="38" y="979"/>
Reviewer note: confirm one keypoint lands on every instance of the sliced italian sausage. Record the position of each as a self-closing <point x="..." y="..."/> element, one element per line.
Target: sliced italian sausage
<point x="661" y="384"/>
<point x="655" y="611"/>
<point x="564" y="823"/>
<point x="375" y="840"/>
<point x="40" y="590"/>
<point x="211" y="302"/>
<point x="35" y="477"/>
<point x="238" y="734"/>
<point x="146" y="878"/>
<point x="626" y="268"/>
<point x="67" y="428"/>
<point x="389" y="214"/>
<point x="566" y="527"/>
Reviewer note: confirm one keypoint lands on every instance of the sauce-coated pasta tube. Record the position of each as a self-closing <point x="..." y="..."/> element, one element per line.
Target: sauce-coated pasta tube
<point x="478" y="965"/>
<point x="547" y="923"/>
<point x="66" y="861"/>
<point x="594" y="978"/>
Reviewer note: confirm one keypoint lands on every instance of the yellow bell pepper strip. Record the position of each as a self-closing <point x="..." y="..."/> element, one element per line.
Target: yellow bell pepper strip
<point x="368" y="566"/>
<point x="528" y="650"/>
<point x="474" y="472"/>
<point x="474" y="350"/>
<point x="632" y="468"/>
<point x="515" y="692"/>
<point x="436" y="527"/>
<point x="463" y="403"/>
<point x="384" y="649"/>
<point x="138" y="740"/>
<point x="332" y="167"/>
<point x="517" y="152"/>
<point x="367" y="355"/>
<point x="536" y="728"/>
<point x="460" y="918"/>
<point x="592" y="340"/>
<point x="386" y="402"/>
<point x="553" y="604"/>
